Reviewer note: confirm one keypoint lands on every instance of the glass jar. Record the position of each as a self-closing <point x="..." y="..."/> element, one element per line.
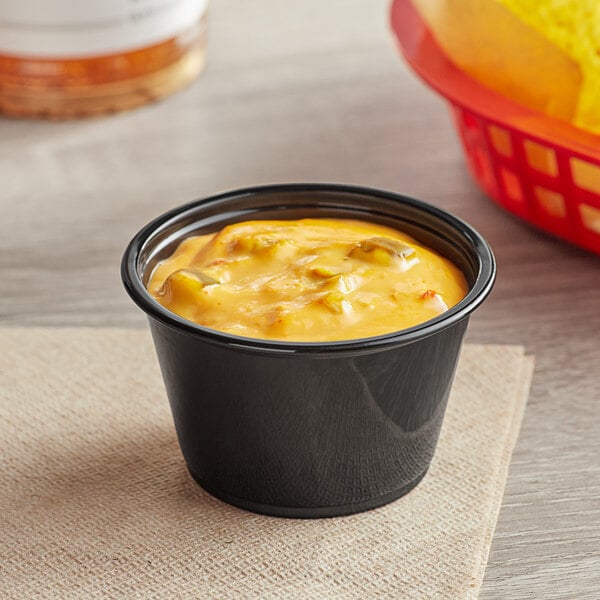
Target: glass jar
<point x="74" y="58"/>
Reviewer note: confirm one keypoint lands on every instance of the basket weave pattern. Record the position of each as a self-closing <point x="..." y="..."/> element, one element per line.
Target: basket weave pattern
<point x="544" y="184"/>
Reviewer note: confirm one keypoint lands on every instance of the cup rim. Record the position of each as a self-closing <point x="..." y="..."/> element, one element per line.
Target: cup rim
<point x="480" y="289"/>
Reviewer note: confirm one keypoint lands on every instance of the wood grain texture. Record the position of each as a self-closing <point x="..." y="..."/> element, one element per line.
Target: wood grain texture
<point x="315" y="91"/>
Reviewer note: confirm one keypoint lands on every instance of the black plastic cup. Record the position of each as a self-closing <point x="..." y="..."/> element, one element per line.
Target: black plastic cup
<point x="308" y="429"/>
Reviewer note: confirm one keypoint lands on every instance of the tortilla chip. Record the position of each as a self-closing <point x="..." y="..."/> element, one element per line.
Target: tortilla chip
<point x="574" y="27"/>
<point x="506" y="54"/>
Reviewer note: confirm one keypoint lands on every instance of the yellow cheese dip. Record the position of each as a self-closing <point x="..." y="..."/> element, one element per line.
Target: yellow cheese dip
<point x="307" y="280"/>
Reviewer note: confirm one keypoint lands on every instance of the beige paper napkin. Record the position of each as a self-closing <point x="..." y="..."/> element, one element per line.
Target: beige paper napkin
<point x="95" y="500"/>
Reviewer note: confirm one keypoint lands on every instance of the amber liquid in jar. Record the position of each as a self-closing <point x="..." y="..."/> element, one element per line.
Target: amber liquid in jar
<point x="94" y="81"/>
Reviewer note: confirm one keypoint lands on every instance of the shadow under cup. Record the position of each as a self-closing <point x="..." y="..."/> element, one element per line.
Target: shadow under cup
<point x="315" y="429"/>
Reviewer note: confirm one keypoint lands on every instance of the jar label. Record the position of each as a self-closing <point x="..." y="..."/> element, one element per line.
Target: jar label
<point x="79" y="28"/>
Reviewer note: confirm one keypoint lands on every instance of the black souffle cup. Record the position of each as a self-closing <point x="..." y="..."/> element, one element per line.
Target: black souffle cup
<point x="308" y="429"/>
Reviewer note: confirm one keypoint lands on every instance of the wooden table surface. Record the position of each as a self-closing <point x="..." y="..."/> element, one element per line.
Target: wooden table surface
<point x="316" y="91"/>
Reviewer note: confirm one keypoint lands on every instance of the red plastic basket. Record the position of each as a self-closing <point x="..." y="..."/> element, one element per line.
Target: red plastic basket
<point x="539" y="168"/>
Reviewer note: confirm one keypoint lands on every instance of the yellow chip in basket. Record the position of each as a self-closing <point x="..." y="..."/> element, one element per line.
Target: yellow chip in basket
<point x="574" y="27"/>
<point x="540" y="53"/>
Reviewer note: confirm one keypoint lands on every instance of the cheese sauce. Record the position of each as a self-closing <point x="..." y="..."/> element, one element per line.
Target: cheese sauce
<point x="306" y="281"/>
